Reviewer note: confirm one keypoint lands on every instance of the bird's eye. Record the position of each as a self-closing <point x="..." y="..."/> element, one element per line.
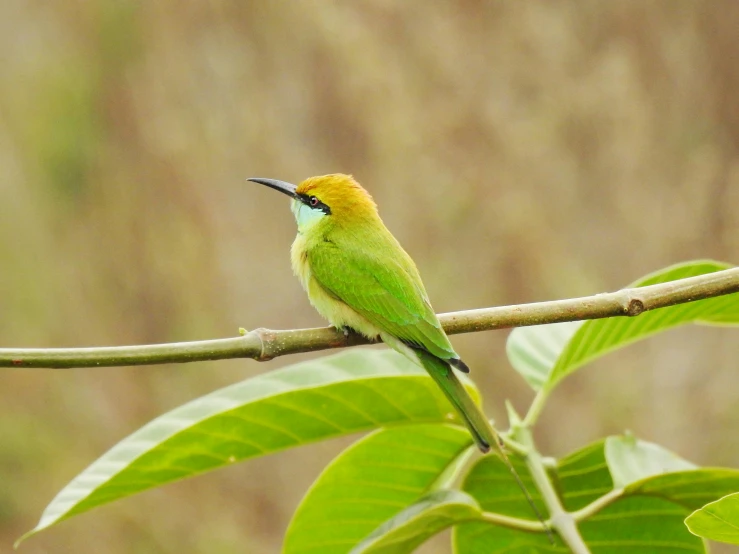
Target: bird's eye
<point x="313" y="201"/>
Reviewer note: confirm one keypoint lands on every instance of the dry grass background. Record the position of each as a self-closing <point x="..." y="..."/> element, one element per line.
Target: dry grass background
<point x="521" y="151"/>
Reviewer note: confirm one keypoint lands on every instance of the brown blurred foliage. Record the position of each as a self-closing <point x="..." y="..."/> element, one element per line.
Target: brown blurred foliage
<point x="521" y="151"/>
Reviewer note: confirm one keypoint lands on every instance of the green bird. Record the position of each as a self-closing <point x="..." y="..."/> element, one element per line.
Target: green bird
<point x="358" y="276"/>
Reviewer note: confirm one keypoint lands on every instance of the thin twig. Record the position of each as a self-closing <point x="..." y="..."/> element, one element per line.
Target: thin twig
<point x="597" y="505"/>
<point x="559" y="519"/>
<point x="513" y="522"/>
<point x="265" y="344"/>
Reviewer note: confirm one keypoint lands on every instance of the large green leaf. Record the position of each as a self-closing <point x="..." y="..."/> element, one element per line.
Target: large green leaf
<point x="546" y="354"/>
<point x="533" y="351"/>
<point x="635" y="524"/>
<point x="631" y="460"/>
<point x="646" y="520"/>
<point x="419" y="522"/>
<point x="371" y="482"/>
<point x="717" y="521"/>
<point x="491" y="483"/>
<point x="691" y="489"/>
<point x="656" y="502"/>
<point x="346" y="393"/>
<point x="583" y="477"/>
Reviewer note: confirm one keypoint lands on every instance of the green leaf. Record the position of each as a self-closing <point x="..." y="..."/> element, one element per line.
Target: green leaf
<point x="546" y="354"/>
<point x="717" y="521"/>
<point x="650" y="508"/>
<point x="598" y="337"/>
<point x="419" y="522"/>
<point x="307" y="402"/>
<point x="586" y="471"/>
<point x="630" y="460"/>
<point x="371" y="482"/>
<point x="490" y="482"/>
<point x="533" y="351"/>
<point x="648" y="517"/>
<point x="583" y="477"/>
<point x="638" y="523"/>
<point x="691" y="489"/>
<point x="634" y="524"/>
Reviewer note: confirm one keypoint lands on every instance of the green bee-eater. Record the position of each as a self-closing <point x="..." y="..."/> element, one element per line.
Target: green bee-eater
<point x="358" y="277"/>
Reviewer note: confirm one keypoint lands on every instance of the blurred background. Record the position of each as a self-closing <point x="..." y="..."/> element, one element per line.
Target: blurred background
<point x="521" y="151"/>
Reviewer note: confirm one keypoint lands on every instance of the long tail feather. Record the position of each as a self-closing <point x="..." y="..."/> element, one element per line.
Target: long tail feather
<point x="480" y="428"/>
<point x="482" y="432"/>
<point x="478" y="425"/>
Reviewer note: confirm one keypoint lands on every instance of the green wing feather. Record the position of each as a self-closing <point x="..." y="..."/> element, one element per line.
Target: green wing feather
<point x="480" y="428"/>
<point x="381" y="284"/>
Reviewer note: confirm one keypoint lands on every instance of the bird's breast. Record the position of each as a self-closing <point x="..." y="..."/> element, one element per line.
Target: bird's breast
<point x="335" y="310"/>
<point x="299" y="260"/>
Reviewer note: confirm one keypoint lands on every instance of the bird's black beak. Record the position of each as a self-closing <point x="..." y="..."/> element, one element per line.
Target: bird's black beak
<point x="282" y="186"/>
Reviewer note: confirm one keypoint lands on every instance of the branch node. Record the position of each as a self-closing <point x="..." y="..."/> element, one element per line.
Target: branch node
<point x="265" y="337"/>
<point x="635" y="307"/>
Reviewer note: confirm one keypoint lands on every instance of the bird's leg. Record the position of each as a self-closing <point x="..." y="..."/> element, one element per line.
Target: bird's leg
<point x="345" y="330"/>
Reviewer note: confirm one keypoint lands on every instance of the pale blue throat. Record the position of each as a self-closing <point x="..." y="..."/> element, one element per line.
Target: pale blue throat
<point x="305" y="216"/>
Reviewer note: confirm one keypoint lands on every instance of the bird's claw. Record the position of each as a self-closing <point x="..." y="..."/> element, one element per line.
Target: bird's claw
<point x="346" y="331"/>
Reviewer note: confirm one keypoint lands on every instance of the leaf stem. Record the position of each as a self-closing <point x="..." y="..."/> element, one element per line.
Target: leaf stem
<point x="560" y="520"/>
<point x="513" y="446"/>
<point x="536" y="407"/>
<point x="597" y="505"/>
<point x="513" y="522"/>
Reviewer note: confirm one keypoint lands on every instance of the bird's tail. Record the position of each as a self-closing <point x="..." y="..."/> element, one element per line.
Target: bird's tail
<point x="482" y="431"/>
<point x="475" y="420"/>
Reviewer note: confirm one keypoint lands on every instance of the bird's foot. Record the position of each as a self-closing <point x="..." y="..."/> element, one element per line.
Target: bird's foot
<point x="346" y="331"/>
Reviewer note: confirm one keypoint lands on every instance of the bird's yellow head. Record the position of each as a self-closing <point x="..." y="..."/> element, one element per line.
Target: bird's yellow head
<point x="337" y="197"/>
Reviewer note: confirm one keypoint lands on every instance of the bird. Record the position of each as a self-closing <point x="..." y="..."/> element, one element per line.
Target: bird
<point x="359" y="277"/>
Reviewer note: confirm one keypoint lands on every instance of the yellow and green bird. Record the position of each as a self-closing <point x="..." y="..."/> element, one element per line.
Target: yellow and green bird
<point x="358" y="277"/>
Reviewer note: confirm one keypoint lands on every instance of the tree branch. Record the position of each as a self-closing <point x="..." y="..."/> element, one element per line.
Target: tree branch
<point x="265" y="344"/>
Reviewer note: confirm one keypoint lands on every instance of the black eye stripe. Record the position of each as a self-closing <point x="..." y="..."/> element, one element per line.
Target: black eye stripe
<point x="314" y="203"/>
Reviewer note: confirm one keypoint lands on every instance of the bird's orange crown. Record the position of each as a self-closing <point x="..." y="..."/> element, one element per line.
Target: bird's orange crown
<point x="340" y="192"/>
